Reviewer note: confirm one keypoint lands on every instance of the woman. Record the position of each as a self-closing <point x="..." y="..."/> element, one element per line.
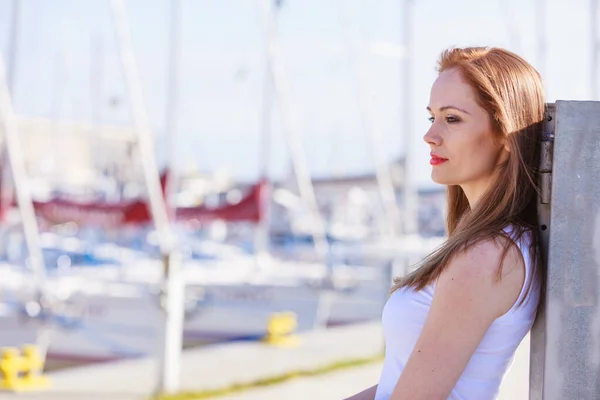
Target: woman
<point x="453" y="325"/>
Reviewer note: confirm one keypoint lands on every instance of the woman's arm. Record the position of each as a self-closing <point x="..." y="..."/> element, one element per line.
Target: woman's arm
<point x="368" y="394"/>
<point x="468" y="298"/>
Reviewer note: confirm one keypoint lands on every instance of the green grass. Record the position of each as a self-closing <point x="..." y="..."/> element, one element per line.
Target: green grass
<point x="239" y="387"/>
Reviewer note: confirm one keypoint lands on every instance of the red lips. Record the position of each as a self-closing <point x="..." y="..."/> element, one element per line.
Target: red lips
<point x="437" y="160"/>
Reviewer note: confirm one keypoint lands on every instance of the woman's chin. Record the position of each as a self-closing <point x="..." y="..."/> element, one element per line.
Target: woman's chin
<point x="440" y="178"/>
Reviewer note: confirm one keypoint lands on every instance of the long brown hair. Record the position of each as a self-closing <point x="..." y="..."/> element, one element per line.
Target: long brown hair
<point x="511" y="91"/>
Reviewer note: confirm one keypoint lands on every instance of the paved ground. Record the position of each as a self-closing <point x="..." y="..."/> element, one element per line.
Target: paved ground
<point x="334" y="386"/>
<point x="215" y="366"/>
<point x="339" y="385"/>
<point x="221" y="365"/>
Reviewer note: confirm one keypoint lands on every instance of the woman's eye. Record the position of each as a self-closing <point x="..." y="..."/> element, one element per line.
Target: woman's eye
<point x="449" y="119"/>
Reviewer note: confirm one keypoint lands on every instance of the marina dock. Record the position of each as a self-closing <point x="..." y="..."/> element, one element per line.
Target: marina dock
<point x="224" y="365"/>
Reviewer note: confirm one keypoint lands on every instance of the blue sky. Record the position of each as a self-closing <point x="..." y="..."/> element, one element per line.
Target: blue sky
<point x="222" y="70"/>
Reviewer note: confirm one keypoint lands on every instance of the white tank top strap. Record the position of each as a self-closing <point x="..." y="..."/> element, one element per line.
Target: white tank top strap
<point x="523" y="244"/>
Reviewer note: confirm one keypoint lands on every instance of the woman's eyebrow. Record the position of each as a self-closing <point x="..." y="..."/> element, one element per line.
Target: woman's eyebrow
<point x="444" y="108"/>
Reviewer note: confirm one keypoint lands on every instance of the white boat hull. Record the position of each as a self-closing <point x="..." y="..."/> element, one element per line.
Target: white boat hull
<point x="119" y="318"/>
<point x="114" y="328"/>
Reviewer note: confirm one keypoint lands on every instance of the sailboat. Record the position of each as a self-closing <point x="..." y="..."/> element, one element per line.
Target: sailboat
<point x="107" y="312"/>
<point x="105" y="307"/>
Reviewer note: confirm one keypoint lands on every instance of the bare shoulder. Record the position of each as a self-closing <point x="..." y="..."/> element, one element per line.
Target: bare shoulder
<point x="468" y="297"/>
<point x="475" y="271"/>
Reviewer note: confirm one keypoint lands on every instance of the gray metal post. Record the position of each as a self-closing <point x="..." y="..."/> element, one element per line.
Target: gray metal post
<point x="595" y="43"/>
<point x="565" y="341"/>
<point x="538" y="332"/>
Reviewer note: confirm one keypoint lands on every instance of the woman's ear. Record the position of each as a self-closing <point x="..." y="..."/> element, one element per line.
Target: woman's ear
<point x="506" y="144"/>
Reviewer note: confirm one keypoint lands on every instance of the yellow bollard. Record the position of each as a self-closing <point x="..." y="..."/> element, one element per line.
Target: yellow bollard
<point x="11" y="363"/>
<point x="33" y="375"/>
<point x="22" y="372"/>
<point x="280" y="330"/>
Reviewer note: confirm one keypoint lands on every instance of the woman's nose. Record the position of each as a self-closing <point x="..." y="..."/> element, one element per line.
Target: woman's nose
<point x="432" y="137"/>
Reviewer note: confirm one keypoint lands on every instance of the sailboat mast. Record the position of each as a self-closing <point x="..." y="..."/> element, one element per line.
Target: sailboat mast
<point x="540" y="24"/>
<point x="16" y="160"/>
<point x="172" y="103"/>
<point x="172" y="285"/>
<point x="410" y="219"/>
<point x="11" y="63"/>
<point x="22" y="189"/>
<point x="261" y="237"/>
<point x="372" y="129"/>
<point x="12" y="46"/>
<point x="293" y="134"/>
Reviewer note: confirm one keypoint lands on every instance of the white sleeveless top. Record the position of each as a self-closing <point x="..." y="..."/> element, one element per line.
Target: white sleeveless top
<point x="404" y="316"/>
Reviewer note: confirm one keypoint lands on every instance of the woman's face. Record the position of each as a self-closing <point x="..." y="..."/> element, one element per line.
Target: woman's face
<point x="463" y="149"/>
